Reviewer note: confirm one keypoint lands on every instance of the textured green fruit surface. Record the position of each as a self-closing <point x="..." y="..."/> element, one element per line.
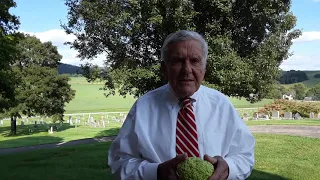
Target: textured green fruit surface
<point x="194" y="169"/>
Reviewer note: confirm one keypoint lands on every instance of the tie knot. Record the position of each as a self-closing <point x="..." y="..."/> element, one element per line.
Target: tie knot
<point x="185" y="102"/>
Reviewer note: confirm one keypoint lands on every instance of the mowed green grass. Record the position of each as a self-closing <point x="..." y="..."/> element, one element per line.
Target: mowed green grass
<point x="66" y="133"/>
<point x="278" y="157"/>
<point x="90" y="99"/>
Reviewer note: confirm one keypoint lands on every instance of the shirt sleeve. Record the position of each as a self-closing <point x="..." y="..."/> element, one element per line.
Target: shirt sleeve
<point x="124" y="157"/>
<point x="240" y="157"/>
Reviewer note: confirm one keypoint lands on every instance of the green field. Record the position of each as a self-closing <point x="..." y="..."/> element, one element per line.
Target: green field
<point x="67" y="133"/>
<point x="90" y="99"/>
<point x="312" y="81"/>
<point x="278" y="157"/>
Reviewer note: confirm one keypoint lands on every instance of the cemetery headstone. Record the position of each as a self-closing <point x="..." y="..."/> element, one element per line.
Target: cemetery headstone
<point x="35" y="124"/>
<point x="98" y="123"/>
<point x="245" y="117"/>
<point x="1" y="122"/>
<point x="287" y="115"/>
<point x="103" y="124"/>
<point x="311" y="115"/>
<point x="22" y="123"/>
<point x="297" y="116"/>
<point x="255" y="116"/>
<point x="275" y="115"/>
<point x="60" y="123"/>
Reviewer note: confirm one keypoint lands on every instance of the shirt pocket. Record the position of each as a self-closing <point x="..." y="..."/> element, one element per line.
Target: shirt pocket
<point x="213" y="143"/>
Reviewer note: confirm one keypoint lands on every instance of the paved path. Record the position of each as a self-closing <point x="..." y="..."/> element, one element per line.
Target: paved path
<point x="309" y="131"/>
<point x="55" y="145"/>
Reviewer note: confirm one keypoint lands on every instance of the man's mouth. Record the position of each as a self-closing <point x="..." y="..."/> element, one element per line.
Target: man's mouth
<point x="186" y="80"/>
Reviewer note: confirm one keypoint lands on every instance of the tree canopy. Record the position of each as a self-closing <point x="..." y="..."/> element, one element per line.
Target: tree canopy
<point x="8" y="52"/>
<point x="248" y="40"/>
<point x="292" y="76"/>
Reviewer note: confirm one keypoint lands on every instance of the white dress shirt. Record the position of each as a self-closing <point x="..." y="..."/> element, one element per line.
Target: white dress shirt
<point x="148" y="135"/>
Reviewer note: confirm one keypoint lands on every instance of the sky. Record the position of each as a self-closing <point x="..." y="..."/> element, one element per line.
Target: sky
<point x="43" y="19"/>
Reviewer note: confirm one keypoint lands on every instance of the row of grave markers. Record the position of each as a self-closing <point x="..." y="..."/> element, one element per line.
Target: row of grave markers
<point x="276" y="115"/>
<point x="70" y="121"/>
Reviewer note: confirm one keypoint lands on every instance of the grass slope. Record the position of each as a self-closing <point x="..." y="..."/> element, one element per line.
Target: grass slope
<point x="312" y="80"/>
<point x="68" y="133"/>
<point x="278" y="157"/>
<point x="90" y="99"/>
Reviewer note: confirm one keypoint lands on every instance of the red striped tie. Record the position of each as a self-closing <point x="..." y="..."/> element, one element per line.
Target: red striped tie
<point x="186" y="132"/>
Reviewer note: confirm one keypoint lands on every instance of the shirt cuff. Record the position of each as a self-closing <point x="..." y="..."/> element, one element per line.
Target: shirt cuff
<point x="232" y="168"/>
<point x="150" y="170"/>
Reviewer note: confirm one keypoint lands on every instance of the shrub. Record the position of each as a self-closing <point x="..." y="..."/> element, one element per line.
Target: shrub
<point x="317" y="76"/>
<point x="281" y="105"/>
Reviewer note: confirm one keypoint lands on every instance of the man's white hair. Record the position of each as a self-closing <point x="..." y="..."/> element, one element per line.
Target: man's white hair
<point x="183" y="35"/>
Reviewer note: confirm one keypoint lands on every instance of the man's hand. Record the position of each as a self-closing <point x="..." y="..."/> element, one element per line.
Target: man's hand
<point x="221" y="168"/>
<point x="167" y="170"/>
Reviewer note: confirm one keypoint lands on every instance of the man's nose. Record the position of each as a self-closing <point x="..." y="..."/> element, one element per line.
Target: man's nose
<point x="187" y="67"/>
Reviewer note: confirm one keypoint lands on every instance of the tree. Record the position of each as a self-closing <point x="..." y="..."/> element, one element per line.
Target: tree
<point x="316" y="76"/>
<point x="300" y="91"/>
<point x="248" y="40"/>
<point x="8" y="52"/>
<point x="292" y="76"/>
<point x="314" y="92"/>
<point x="40" y="90"/>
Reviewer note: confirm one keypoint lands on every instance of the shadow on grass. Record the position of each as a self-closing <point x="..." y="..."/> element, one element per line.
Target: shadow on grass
<point x="261" y="175"/>
<point x="108" y="132"/>
<point x="23" y="144"/>
<point x="30" y="129"/>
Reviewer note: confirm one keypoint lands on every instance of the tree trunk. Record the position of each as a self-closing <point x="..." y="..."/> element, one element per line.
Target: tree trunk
<point x="13" y="125"/>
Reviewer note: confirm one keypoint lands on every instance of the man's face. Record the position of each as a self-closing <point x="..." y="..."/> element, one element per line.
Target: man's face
<point x="185" y="67"/>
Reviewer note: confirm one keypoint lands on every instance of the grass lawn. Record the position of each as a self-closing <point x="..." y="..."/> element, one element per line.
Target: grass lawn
<point x="40" y="135"/>
<point x="278" y="157"/>
<point x="67" y="133"/>
<point x="90" y="99"/>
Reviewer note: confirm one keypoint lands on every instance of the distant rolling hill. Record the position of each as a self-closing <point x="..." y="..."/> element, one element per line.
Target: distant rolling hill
<point x="312" y="80"/>
<point x="69" y="69"/>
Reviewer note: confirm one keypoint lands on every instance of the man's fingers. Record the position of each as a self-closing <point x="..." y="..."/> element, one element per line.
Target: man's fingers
<point x="212" y="160"/>
<point x="179" y="158"/>
<point x="220" y="169"/>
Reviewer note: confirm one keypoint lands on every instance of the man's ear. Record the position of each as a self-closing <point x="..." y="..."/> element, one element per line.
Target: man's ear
<point x="164" y="69"/>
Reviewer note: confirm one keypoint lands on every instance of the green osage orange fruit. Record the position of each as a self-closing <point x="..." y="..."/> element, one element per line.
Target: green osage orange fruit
<point x="194" y="169"/>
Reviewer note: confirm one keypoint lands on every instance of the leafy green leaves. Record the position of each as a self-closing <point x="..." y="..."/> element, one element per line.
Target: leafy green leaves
<point x="248" y="40"/>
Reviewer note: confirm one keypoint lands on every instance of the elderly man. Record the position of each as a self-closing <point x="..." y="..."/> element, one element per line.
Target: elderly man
<point x="182" y="119"/>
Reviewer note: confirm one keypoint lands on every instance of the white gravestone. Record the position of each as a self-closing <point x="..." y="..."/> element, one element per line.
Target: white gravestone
<point x="275" y="115"/>
<point x="287" y="115"/>
<point x="311" y="116"/>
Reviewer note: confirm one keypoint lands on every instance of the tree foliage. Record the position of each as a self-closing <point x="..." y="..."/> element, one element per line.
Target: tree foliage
<point x="314" y="92"/>
<point x="316" y="76"/>
<point x="39" y="89"/>
<point x="293" y="76"/>
<point x="248" y="40"/>
<point x="8" y="52"/>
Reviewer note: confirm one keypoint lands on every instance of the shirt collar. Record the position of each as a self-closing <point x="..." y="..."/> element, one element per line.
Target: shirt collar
<point x="174" y="100"/>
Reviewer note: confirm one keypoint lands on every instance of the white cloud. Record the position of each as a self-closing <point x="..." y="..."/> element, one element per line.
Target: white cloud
<point x="58" y="37"/>
<point x="301" y="62"/>
<point x="308" y="36"/>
